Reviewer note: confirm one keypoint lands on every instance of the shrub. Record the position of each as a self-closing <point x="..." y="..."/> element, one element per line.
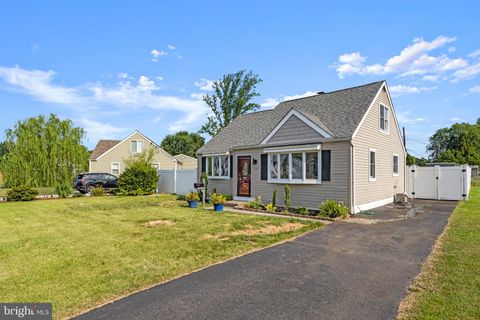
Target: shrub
<point x="181" y="197"/>
<point x="63" y="190"/>
<point x="255" y="204"/>
<point x="227" y="196"/>
<point x="97" y="191"/>
<point x="302" y="210"/>
<point x="287" y="197"/>
<point x="333" y="209"/>
<point x="22" y="193"/>
<point x="270" y="207"/>
<point x="217" y="198"/>
<point x="192" y="196"/>
<point x="140" y="176"/>
<point x="274" y="198"/>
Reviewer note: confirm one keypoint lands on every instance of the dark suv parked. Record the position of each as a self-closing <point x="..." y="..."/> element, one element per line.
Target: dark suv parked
<point x="85" y="182"/>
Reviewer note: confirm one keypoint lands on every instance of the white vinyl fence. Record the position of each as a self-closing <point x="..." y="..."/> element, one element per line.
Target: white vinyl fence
<point x="178" y="181"/>
<point x="439" y="183"/>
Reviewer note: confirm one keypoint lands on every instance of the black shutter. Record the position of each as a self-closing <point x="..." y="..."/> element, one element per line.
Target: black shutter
<point x="231" y="166"/>
<point x="326" y="159"/>
<point x="204" y="164"/>
<point x="264" y="166"/>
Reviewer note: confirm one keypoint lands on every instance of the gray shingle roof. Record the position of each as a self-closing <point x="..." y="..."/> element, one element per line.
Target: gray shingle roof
<point x="337" y="112"/>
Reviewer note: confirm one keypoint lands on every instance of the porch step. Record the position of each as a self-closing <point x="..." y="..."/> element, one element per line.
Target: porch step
<point x="234" y="203"/>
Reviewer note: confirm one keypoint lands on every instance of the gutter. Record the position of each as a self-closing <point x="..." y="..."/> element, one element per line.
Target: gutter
<point x="288" y="143"/>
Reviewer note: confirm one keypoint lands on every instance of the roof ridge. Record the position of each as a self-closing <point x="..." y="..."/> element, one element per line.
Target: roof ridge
<point x="315" y="95"/>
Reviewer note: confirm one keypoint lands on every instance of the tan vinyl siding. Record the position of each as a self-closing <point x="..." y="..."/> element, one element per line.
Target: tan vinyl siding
<point x="121" y="152"/>
<point x="369" y="136"/>
<point x="294" y="129"/>
<point x="186" y="162"/>
<point x="305" y="195"/>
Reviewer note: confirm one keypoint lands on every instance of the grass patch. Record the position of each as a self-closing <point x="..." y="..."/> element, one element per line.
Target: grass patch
<point x="80" y="252"/>
<point x="449" y="285"/>
<point x="41" y="191"/>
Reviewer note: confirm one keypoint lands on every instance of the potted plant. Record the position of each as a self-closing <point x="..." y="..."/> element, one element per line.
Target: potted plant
<point x="192" y="198"/>
<point x="218" y="200"/>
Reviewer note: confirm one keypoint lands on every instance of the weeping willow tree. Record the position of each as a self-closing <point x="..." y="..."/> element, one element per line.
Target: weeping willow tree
<point x="43" y="152"/>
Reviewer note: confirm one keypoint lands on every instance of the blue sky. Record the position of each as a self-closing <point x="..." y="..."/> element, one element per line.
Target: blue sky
<point x="113" y="67"/>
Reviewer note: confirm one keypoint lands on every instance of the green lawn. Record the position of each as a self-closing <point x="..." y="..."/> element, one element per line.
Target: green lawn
<point x="41" y="191"/>
<point x="449" y="286"/>
<point x="80" y="252"/>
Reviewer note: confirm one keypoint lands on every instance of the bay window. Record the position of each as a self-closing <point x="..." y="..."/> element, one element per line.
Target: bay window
<point x="218" y="167"/>
<point x="294" y="167"/>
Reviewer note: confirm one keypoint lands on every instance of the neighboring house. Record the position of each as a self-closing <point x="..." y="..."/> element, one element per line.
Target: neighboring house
<point x="110" y="155"/>
<point x="186" y="162"/>
<point x="344" y="145"/>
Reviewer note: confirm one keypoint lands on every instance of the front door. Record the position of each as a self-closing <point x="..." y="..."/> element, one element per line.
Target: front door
<point x="243" y="176"/>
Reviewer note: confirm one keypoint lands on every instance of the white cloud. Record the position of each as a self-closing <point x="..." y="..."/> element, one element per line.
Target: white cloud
<point x="297" y="96"/>
<point x="412" y="60"/>
<point x="159" y="78"/>
<point x="354" y="58"/>
<point x="143" y="94"/>
<point x="452" y="49"/>
<point x="269" y="103"/>
<point x="122" y="75"/>
<point x="204" y="84"/>
<point x="272" y="102"/>
<point x="399" y="90"/>
<point x="171" y="47"/>
<point x="466" y="73"/>
<point x="475" y="54"/>
<point x="38" y="84"/>
<point x="406" y="118"/>
<point x="475" y="89"/>
<point x="100" y="130"/>
<point x="431" y="78"/>
<point x="157" y="54"/>
<point x="455" y="119"/>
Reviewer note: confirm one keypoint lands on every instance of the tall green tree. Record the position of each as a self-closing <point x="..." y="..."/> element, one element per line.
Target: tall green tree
<point x="183" y="142"/>
<point x="43" y="152"/>
<point x="459" y="143"/>
<point x="232" y="97"/>
<point x="411" y="160"/>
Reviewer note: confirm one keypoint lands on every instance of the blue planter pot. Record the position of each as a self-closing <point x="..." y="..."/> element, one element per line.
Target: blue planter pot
<point x="218" y="207"/>
<point x="193" y="204"/>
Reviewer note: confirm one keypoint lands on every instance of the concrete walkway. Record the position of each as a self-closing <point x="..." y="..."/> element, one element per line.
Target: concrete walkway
<point x="343" y="271"/>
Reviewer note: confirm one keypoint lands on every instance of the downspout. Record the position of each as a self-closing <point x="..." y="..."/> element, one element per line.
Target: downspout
<point x="352" y="178"/>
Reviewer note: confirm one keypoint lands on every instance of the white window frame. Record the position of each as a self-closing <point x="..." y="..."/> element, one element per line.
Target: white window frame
<point x="157" y="164"/>
<point x="219" y="177"/>
<point x="386" y="119"/>
<point x="395" y="174"/>
<point x="290" y="180"/>
<point x="137" y="144"/>
<point x="111" y="168"/>
<point x="370" y="178"/>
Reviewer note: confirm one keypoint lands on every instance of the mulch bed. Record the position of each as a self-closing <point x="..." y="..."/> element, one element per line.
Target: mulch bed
<point x="289" y="214"/>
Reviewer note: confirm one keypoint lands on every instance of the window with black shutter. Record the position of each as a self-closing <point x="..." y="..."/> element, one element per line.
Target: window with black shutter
<point x="264" y="166"/>
<point x="204" y="164"/>
<point x="326" y="165"/>
<point x="231" y="166"/>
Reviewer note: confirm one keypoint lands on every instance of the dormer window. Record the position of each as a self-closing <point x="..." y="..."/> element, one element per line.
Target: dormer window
<point x="384" y="124"/>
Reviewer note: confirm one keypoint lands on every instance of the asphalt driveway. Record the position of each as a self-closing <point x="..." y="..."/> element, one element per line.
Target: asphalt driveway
<point x="352" y="270"/>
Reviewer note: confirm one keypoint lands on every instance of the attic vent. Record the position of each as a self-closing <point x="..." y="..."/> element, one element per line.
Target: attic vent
<point x="320" y="92"/>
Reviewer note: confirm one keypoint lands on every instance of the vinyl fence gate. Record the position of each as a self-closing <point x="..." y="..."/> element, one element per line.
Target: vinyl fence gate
<point x="439" y="183"/>
<point x="179" y="181"/>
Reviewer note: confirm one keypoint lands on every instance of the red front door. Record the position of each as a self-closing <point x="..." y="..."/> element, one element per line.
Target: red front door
<point x="243" y="176"/>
